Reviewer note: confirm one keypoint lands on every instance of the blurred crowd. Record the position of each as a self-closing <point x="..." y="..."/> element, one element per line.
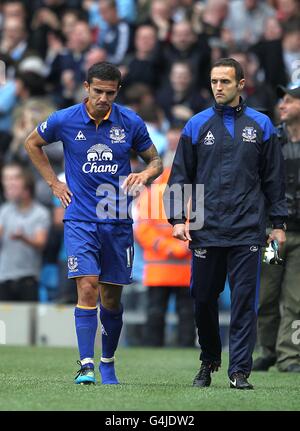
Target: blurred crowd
<point x="164" y="49"/>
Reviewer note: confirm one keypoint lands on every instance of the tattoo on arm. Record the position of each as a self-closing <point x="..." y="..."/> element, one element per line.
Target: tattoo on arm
<point x="153" y="161"/>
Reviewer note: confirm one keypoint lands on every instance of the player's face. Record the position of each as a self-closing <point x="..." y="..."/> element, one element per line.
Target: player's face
<point x="225" y="87"/>
<point x="101" y="95"/>
<point x="289" y="109"/>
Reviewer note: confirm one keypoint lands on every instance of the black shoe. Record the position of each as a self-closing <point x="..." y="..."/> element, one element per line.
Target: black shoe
<point x="203" y="378"/>
<point x="293" y="368"/>
<point x="263" y="364"/>
<point x="238" y="380"/>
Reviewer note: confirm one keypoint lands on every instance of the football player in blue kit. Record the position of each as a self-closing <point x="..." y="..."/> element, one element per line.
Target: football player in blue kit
<point x="98" y="136"/>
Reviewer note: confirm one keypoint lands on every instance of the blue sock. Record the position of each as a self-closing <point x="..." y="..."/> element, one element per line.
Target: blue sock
<point x="86" y="322"/>
<point x="112" y="323"/>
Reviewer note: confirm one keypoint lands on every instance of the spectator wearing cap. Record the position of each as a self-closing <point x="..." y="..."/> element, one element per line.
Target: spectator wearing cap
<point x="279" y="302"/>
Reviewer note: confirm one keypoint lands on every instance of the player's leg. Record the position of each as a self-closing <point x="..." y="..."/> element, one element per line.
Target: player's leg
<point x="111" y="316"/>
<point x="116" y="259"/>
<point x="244" y="264"/>
<point x="208" y="280"/>
<point x="83" y="265"/>
<point x="86" y="321"/>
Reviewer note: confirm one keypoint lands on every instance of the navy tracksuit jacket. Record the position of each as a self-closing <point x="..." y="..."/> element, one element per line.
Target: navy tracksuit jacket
<point x="235" y="154"/>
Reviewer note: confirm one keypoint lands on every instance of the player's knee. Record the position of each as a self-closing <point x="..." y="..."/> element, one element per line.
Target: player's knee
<point x="87" y="292"/>
<point x="111" y="303"/>
<point x="111" y="297"/>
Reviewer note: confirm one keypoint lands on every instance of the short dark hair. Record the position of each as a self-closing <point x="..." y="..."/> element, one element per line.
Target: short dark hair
<point x="104" y="71"/>
<point x="230" y="62"/>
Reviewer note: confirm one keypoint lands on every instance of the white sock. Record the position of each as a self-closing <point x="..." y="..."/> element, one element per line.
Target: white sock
<point x="108" y="360"/>
<point x="87" y="361"/>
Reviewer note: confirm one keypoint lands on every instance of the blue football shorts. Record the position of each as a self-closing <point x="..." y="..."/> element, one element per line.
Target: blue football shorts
<point x="104" y="250"/>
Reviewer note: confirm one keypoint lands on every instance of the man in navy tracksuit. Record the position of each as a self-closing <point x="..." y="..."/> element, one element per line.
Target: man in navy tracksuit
<point x="233" y="151"/>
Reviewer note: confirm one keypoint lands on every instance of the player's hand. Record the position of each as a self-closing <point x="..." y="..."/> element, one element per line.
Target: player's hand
<point x="62" y="192"/>
<point x="181" y="231"/>
<point x="135" y="183"/>
<point x="279" y="235"/>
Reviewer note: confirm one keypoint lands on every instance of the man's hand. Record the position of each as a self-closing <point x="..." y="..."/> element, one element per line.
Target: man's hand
<point x="18" y="235"/>
<point x="181" y="231"/>
<point x="62" y="192"/>
<point x="279" y="235"/>
<point x="134" y="183"/>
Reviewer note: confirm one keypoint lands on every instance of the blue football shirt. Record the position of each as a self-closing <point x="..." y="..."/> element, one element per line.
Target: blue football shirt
<point x="97" y="159"/>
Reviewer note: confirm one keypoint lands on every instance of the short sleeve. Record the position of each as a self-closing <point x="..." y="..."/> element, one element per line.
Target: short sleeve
<point x="49" y="130"/>
<point x="141" y="139"/>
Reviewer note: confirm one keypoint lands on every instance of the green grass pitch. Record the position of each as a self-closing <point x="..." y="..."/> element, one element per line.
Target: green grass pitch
<point x="41" y="378"/>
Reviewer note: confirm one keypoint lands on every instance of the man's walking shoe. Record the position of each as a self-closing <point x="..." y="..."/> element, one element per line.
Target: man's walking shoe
<point x="239" y="381"/>
<point x="263" y="364"/>
<point x="85" y="375"/>
<point x="203" y="377"/>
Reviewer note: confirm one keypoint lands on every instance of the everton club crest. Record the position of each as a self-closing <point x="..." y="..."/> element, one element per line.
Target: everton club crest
<point x="249" y="134"/>
<point x="73" y="263"/>
<point x="117" y="135"/>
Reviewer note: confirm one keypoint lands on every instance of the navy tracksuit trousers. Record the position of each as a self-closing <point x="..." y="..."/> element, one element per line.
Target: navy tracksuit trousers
<point x="209" y="269"/>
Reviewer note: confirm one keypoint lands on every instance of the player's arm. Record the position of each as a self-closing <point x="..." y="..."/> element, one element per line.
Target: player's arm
<point x="33" y="146"/>
<point x="153" y="170"/>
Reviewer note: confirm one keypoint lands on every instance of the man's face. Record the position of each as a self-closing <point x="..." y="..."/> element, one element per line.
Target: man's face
<point x="182" y="36"/>
<point x="225" y="88"/>
<point x="14" y="31"/>
<point x="80" y="38"/>
<point x="145" y="39"/>
<point x="289" y="109"/>
<point x="13" y="183"/>
<point x="101" y="94"/>
<point x="180" y="77"/>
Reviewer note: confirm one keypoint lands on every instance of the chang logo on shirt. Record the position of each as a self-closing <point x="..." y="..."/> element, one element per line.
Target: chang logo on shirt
<point x="99" y="153"/>
<point x="249" y="134"/>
